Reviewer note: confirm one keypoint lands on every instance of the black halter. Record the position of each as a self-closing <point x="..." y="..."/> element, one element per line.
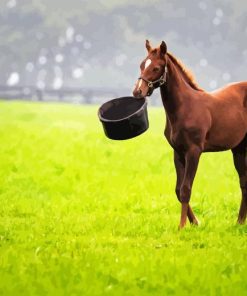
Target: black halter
<point x="156" y="83"/>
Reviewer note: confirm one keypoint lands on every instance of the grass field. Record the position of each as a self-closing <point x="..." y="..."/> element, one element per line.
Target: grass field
<point x="83" y="215"/>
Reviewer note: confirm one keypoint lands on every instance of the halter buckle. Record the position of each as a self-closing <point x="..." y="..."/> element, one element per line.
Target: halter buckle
<point x="162" y="81"/>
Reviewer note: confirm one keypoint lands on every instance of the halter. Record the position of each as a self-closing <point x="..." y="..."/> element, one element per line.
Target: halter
<point x="152" y="84"/>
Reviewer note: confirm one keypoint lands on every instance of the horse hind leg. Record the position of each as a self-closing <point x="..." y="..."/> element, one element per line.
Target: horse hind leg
<point x="240" y="162"/>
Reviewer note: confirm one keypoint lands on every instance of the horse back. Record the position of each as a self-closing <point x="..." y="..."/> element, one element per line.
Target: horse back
<point x="236" y="91"/>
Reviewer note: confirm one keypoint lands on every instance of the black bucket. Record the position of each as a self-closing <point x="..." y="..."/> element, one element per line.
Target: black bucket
<point x="124" y="118"/>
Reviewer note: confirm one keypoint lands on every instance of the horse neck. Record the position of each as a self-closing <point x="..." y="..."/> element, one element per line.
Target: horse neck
<point x="174" y="91"/>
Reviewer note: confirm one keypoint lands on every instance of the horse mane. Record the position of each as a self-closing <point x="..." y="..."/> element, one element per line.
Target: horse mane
<point x="186" y="72"/>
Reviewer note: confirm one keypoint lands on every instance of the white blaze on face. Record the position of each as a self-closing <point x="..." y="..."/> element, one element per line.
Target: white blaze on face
<point x="140" y="83"/>
<point x="147" y="63"/>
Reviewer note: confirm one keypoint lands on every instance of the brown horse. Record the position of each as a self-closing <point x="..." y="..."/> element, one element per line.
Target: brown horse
<point x="196" y="121"/>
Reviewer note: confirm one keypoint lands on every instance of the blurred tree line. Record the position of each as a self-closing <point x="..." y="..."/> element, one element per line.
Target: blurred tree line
<point x="101" y="43"/>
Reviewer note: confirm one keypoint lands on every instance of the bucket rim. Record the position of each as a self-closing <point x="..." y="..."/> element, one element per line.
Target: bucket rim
<point x="102" y="119"/>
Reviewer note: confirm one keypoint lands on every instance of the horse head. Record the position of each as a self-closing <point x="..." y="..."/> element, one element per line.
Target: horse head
<point x="153" y="71"/>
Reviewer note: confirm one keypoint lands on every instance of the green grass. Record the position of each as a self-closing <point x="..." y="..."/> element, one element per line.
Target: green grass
<point x="83" y="215"/>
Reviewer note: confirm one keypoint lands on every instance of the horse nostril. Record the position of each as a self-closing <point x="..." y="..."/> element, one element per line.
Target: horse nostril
<point x="137" y="93"/>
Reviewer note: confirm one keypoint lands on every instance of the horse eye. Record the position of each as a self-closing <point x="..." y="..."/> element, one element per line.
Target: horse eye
<point x="156" y="69"/>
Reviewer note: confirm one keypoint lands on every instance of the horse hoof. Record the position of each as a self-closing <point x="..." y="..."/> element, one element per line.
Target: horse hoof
<point x="195" y="222"/>
<point x="180" y="227"/>
<point x="241" y="222"/>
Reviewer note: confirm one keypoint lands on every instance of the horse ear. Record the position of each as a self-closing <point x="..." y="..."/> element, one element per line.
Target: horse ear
<point x="148" y="46"/>
<point x="163" y="48"/>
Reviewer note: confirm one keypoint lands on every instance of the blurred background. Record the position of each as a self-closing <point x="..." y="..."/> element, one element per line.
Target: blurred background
<point x="89" y="51"/>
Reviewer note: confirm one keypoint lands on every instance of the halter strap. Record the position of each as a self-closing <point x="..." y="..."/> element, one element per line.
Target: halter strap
<point x="161" y="80"/>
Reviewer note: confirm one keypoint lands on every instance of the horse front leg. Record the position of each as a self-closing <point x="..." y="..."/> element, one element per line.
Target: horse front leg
<point x="192" y="157"/>
<point x="179" y="162"/>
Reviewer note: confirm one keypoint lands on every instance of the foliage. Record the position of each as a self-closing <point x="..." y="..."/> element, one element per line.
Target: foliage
<point x="209" y="36"/>
<point x="84" y="215"/>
